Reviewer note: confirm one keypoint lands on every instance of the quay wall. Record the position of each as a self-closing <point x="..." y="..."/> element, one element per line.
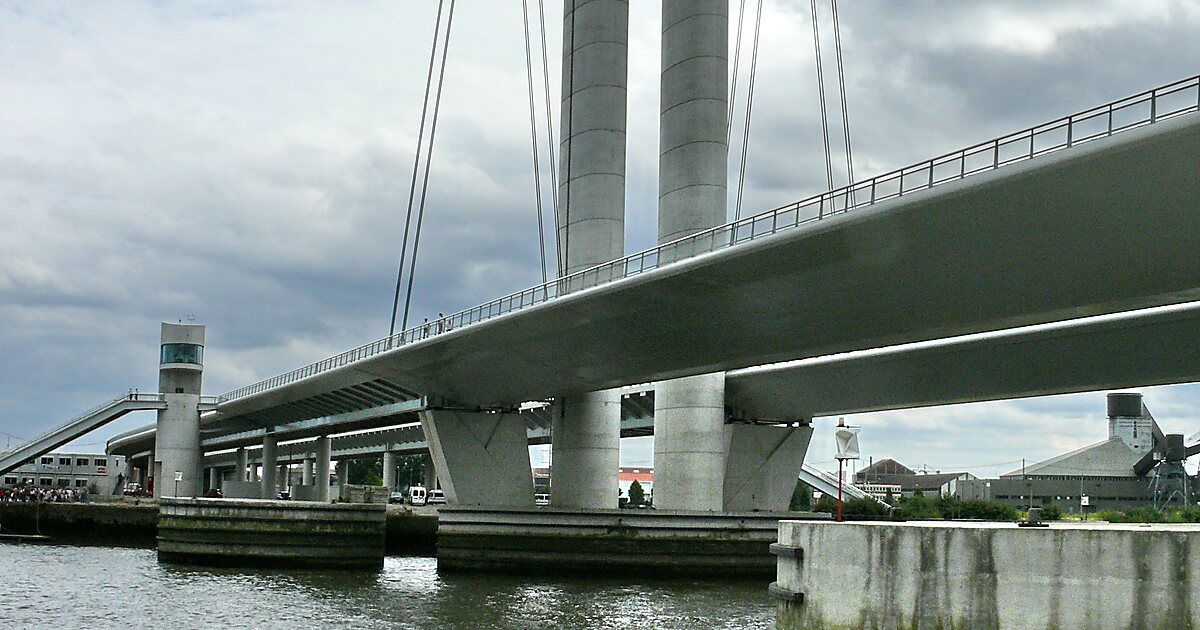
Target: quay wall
<point x="109" y="523"/>
<point x="986" y="576"/>
<point x="411" y="531"/>
<point x="256" y="533"/>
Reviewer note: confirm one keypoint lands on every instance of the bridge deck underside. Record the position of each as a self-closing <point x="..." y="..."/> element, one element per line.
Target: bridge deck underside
<point x="1108" y="226"/>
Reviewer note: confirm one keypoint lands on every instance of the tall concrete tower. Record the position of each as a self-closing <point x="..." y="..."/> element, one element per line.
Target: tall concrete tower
<point x="177" y="441"/>
<point x="586" y="434"/>
<point x="689" y="413"/>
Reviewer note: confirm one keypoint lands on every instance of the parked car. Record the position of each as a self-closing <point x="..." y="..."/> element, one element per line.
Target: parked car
<point x="541" y="499"/>
<point x="133" y="489"/>
<point x="213" y="493"/>
<point x="417" y="495"/>
<point x="396" y="497"/>
<point x="436" y="496"/>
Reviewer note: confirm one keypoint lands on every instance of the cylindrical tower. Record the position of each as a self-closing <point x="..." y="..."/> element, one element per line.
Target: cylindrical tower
<point x="586" y="442"/>
<point x="689" y="413"/>
<point x="177" y="452"/>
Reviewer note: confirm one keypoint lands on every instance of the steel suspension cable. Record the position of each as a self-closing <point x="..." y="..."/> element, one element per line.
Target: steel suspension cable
<point x="749" y="109"/>
<point x="533" y="136"/>
<point x="737" y="57"/>
<point x="412" y="188"/>
<point x="837" y="43"/>
<point x="821" y="92"/>
<point x="437" y="103"/>
<point x="550" y="133"/>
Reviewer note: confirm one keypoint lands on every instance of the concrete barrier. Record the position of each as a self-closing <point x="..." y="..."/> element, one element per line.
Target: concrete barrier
<point x="986" y="575"/>
<point x="241" y="532"/>
<point x="556" y="540"/>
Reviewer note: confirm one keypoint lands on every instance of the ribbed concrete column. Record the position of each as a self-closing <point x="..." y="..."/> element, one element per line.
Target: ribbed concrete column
<point x="324" y="445"/>
<point x="306" y="473"/>
<point x="693" y="151"/>
<point x="586" y="436"/>
<point x="690" y="443"/>
<point x="689" y="414"/>
<point x="242" y="472"/>
<point x="270" y="483"/>
<point x="389" y="469"/>
<point x="591" y="189"/>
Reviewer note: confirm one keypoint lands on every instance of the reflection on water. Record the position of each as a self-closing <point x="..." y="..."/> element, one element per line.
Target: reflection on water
<point x="53" y="586"/>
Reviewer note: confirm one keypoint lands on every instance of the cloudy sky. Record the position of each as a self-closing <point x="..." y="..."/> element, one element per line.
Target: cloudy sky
<point x="246" y="164"/>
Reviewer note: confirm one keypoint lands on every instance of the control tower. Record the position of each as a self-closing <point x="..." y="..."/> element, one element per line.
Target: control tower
<point x="177" y="454"/>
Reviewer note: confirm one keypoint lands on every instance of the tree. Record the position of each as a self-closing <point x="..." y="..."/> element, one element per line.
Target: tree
<point x="801" y="498"/>
<point x="637" y="496"/>
<point x="366" y="472"/>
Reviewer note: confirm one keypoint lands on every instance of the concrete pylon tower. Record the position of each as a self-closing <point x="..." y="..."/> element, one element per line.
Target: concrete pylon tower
<point x="177" y="441"/>
<point x="586" y="433"/>
<point x="689" y="413"/>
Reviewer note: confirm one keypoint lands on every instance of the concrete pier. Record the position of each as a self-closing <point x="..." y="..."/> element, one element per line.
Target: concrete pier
<point x="482" y="458"/>
<point x="586" y="457"/>
<point x="690" y="443"/>
<point x="389" y="469"/>
<point x="270" y="482"/>
<point x="322" y="463"/>
<point x="250" y="533"/>
<point x="986" y="575"/>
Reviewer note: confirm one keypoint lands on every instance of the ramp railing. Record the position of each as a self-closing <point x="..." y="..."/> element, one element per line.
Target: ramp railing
<point x="1146" y="108"/>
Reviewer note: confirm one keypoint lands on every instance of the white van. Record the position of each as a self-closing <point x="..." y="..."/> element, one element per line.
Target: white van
<point x="436" y="496"/>
<point x="416" y="495"/>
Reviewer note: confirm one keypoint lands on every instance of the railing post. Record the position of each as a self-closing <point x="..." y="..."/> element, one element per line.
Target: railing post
<point x="1153" y="105"/>
<point x="1110" y="114"/>
<point x="1070" y="130"/>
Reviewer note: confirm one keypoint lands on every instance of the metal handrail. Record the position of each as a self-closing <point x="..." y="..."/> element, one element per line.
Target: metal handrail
<point x="127" y="397"/>
<point x="1106" y="120"/>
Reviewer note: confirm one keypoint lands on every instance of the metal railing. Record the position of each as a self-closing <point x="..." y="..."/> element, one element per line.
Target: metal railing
<point x="1168" y="101"/>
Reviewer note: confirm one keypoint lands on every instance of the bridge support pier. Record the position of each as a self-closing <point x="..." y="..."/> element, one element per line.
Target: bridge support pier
<point x="214" y="478"/>
<point x="306" y="472"/>
<point x="761" y="466"/>
<point x="586" y="450"/>
<point x="269" y="482"/>
<point x="242" y="471"/>
<point x="690" y="443"/>
<point x="389" y="470"/>
<point x="482" y="458"/>
<point x="324" y="448"/>
<point x="689" y="414"/>
<point x="429" y="473"/>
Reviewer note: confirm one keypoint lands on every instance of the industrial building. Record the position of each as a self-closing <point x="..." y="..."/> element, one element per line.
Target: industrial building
<point x="888" y="479"/>
<point x="69" y="470"/>
<point x="1137" y="465"/>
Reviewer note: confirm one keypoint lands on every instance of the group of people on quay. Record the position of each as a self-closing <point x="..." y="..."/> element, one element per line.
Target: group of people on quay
<point x="32" y="494"/>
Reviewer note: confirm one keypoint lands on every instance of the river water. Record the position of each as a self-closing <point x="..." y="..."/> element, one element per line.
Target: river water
<point x="107" y="587"/>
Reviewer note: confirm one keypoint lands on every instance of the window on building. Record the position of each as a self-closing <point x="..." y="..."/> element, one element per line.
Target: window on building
<point x="101" y="462"/>
<point x="182" y="353"/>
<point x="47" y="461"/>
<point x="81" y="483"/>
<point x="64" y="461"/>
<point x="10" y="481"/>
<point x="81" y="461"/>
<point x="64" y="482"/>
<point x="45" y="482"/>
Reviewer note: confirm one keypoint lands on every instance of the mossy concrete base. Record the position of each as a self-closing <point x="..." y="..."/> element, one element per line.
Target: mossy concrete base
<point x="622" y="542"/>
<point x="247" y="532"/>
